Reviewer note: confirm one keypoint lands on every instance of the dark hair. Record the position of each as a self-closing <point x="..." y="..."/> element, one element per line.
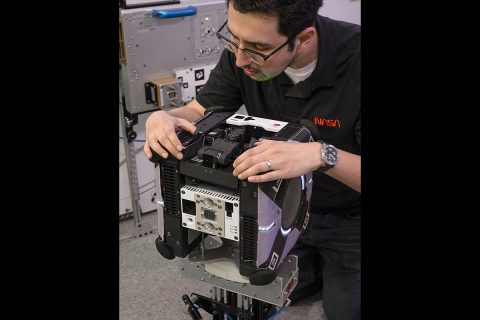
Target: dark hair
<point x="293" y="15"/>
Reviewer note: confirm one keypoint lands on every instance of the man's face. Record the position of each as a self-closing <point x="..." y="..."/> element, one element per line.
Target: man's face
<point x="258" y="33"/>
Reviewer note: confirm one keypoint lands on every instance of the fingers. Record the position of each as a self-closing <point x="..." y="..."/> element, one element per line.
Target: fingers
<point x="186" y="125"/>
<point x="165" y="141"/>
<point x="146" y="150"/>
<point x="152" y="143"/>
<point x="161" y="143"/>
<point x="246" y="155"/>
<point x="269" y="176"/>
<point x="255" y="169"/>
<point x="172" y="143"/>
<point x="161" y="136"/>
<point x="250" y="166"/>
<point x="253" y="161"/>
<point x="172" y="139"/>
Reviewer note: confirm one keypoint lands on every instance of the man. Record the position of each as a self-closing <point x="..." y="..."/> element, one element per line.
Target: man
<point x="285" y="62"/>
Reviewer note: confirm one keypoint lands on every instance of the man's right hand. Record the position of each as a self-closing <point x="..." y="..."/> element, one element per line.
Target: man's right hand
<point x="161" y="134"/>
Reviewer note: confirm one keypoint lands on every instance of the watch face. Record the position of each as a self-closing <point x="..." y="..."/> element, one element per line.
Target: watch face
<point x="331" y="155"/>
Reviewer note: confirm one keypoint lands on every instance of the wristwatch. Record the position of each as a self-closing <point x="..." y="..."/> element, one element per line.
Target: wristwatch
<point x="330" y="157"/>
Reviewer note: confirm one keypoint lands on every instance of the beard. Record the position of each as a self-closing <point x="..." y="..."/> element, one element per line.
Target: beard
<point x="265" y="75"/>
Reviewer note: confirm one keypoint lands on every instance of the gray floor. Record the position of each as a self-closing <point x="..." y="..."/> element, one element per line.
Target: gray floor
<point x="151" y="286"/>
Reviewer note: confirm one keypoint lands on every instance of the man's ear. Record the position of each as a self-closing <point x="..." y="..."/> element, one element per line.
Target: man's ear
<point x="305" y="37"/>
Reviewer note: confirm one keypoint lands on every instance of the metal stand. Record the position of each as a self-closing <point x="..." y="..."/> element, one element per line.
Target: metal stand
<point x="140" y="229"/>
<point x="228" y="303"/>
<point x="233" y="297"/>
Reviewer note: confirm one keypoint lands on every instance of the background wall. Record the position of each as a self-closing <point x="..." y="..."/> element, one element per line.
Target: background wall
<point x="344" y="10"/>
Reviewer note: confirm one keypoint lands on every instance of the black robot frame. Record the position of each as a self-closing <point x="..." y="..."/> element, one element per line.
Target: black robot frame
<point x="207" y="162"/>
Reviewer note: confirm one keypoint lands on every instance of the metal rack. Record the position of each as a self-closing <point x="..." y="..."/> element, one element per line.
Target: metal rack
<point x="140" y="228"/>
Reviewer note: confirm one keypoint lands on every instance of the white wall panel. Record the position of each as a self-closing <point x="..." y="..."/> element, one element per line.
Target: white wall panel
<point x="344" y="10"/>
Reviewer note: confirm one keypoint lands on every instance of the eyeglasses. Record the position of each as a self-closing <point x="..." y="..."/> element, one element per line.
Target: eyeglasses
<point x="255" y="57"/>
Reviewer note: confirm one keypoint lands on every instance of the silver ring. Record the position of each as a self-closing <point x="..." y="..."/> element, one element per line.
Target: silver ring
<point x="269" y="165"/>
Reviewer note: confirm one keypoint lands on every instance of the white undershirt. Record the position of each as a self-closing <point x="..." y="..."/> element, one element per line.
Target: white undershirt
<point x="301" y="74"/>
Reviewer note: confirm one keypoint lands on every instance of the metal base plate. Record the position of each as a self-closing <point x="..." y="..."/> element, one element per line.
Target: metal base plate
<point x="276" y="293"/>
